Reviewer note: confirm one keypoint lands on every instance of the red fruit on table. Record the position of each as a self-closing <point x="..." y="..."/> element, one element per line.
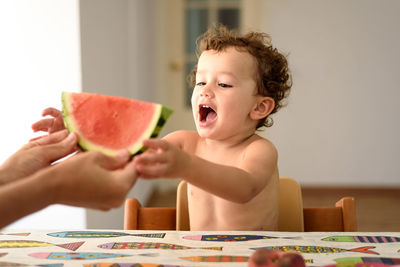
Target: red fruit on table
<point x="273" y="258"/>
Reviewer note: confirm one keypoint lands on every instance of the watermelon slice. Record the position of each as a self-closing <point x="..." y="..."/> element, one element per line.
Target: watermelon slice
<point x="111" y="123"/>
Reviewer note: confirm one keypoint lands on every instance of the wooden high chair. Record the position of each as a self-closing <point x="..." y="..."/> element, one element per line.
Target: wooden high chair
<point x="293" y="217"/>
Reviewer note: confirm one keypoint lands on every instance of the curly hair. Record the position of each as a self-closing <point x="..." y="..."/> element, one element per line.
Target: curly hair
<point x="273" y="76"/>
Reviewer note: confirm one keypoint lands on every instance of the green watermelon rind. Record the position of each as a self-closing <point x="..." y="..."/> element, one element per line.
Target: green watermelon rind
<point x="160" y="117"/>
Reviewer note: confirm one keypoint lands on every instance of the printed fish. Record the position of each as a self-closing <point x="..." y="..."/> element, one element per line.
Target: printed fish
<point x="382" y="260"/>
<point x="112" y="264"/>
<point x="229" y="238"/>
<point x="362" y="239"/>
<point x="11" y="264"/>
<point x="96" y="234"/>
<point x="20" y="234"/>
<point x="218" y="258"/>
<point x="32" y="243"/>
<point x="76" y="255"/>
<point x="318" y="249"/>
<point x="149" y="245"/>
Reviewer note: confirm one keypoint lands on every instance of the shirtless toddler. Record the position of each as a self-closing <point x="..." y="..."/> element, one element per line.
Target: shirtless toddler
<point x="232" y="173"/>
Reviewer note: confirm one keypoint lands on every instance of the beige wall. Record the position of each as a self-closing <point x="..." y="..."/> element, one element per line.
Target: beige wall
<point x="116" y="54"/>
<point x="342" y="122"/>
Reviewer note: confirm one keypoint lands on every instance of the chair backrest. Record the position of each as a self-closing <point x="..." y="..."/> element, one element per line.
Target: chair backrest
<point x="182" y="209"/>
<point x="290" y="206"/>
<point x="292" y="216"/>
<point x="340" y="218"/>
<point x="139" y="218"/>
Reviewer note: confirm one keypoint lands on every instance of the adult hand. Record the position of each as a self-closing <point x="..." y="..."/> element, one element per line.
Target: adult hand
<point x="162" y="159"/>
<point x="93" y="180"/>
<point x="37" y="154"/>
<point x="50" y="125"/>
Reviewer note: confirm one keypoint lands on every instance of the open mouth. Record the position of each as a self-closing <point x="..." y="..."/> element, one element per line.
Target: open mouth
<point x="206" y="113"/>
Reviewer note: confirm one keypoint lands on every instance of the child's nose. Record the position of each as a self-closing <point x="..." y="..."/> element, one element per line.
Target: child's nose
<point x="206" y="91"/>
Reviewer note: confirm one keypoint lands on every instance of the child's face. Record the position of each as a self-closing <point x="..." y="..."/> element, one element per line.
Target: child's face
<point x="224" y="94"/>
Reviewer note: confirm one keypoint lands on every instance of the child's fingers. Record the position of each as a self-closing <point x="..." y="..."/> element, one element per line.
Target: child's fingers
<point x="155" y="143"/>
<point x="150" y="158"/>
<point x="151" y="171"/>
<point x="42" y="125"/>
<point x="51" y="112"/>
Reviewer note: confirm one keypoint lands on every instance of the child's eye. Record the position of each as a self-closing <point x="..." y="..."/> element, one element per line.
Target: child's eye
<point x="200" y="83"/>
<point x="225" y="85"/>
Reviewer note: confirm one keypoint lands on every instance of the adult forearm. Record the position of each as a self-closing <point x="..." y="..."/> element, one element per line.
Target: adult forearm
<point x="25" y="196"/>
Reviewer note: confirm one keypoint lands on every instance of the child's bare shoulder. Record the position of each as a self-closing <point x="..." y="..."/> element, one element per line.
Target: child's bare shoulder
<point x="262" y="147"/>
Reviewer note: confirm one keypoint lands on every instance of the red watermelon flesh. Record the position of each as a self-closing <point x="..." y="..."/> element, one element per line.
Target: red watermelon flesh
<point x="111" y="123"/>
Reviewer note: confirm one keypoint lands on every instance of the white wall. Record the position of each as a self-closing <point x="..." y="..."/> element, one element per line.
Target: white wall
<point x="342" y="122"/>
<point x="39" y="58"/>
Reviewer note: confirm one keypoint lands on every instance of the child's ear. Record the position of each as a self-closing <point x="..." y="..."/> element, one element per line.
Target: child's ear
<point x="262" y="108"/>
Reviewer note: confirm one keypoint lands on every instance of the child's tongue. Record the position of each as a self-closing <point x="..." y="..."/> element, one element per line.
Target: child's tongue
<point x="211" y="116"/>
<point x="207" y="116"/>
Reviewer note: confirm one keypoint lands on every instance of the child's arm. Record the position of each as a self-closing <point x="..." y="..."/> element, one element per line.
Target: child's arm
<point x="238" y="184"/>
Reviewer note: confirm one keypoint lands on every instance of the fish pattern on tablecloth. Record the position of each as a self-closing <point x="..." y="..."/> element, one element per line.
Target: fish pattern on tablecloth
<point x="19" y="234"/>
<point x="76" y="255"/>
<point x="319" y="249"/>
<point x="32" y="243"/>
<point x="149" y="245"/>
<point x="14" y="264"/>
<point x="230" y="238"/>
<point x="99" y="234"/>
<point x="98" y="248"/>
<point x="382" y="260"/>
<point x="362" y="239"/>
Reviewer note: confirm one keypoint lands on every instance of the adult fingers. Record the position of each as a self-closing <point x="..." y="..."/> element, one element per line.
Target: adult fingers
<point x="52" y="138"/>
<point x="54" y="151"/>
<point x="47" y="139"/>
<point x="127" y="175"/>
<point x="52" y="112"/>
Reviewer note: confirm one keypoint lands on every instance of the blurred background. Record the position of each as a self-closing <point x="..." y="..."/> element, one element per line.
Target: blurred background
<point x="339" y="134"/>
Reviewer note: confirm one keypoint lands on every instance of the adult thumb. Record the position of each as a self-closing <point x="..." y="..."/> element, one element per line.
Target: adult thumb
<point x="113" y="162"/>
<point x="60" y="149"/>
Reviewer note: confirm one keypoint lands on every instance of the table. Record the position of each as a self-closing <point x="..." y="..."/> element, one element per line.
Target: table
<point x="187" y="248"/>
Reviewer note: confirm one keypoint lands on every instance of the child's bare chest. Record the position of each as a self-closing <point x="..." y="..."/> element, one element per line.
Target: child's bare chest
<point x="230" y="157"/>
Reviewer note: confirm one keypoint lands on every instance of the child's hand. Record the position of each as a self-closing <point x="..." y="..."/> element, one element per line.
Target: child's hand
<point x="50" y="125"/>
<point x="162" y="159"/>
